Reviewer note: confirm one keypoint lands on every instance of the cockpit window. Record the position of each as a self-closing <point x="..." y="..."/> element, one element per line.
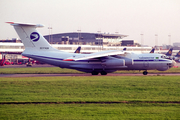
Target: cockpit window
<point x="164" y="57"/>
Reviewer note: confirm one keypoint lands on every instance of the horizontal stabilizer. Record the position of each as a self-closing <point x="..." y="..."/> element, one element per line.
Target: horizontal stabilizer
<point x="25" y="24"/>
<point x="30" y="37"/>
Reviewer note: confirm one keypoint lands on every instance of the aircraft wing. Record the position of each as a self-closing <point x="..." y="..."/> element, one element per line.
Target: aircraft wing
<point x="95" y="55"/>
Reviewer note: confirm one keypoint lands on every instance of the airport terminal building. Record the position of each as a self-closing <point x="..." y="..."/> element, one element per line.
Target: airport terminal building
<point x="76" y="38"/>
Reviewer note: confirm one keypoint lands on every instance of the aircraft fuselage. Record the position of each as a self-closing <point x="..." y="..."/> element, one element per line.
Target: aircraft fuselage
<point x="108" y="64"/>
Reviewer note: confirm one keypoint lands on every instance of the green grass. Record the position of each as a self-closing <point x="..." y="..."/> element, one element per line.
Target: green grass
<point x="37" y="70"/>
<point x="90" y="111"/>
<point x="57" y="70"/>
<point x="91" y="88"/>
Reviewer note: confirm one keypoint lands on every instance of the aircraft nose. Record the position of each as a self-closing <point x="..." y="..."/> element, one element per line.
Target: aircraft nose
<point x="172" y="63"/>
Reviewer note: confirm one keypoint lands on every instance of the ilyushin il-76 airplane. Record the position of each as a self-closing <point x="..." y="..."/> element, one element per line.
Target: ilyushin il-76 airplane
<point x="37" y="48"/>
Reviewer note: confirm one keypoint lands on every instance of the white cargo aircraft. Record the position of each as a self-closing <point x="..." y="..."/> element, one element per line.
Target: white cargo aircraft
<point x="37" y="47"/>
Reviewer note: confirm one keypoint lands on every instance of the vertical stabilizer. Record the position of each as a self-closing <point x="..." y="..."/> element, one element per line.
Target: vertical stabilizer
<point x="169" y="53"/>
<point x="152" y="51"/>
<point x="30" y="37"/>
<point x="178" y="54"/>
<point x="78" y="50"/>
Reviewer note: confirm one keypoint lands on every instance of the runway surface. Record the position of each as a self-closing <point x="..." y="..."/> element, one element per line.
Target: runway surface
<point x="84" y="74"/>
<point x="24" y="66"/>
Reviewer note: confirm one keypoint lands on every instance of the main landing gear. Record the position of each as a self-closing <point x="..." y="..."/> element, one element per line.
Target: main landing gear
<point x="145" y="72"/>
<point x="96" y="73"/>
<point x="103" y="73"/>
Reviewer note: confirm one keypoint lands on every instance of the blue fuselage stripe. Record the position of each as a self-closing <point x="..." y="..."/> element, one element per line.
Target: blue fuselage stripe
<point x="137" y="60"/>
<point x="148" y="60"/>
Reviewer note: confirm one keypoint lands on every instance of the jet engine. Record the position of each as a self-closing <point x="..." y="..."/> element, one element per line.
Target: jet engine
<point x="129" y="62"/>
<point x="114" y="62"/>
<point x="164" y="68"/>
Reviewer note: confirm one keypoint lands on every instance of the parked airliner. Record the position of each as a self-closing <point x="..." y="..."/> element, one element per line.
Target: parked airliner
<point x="37" y="47"/>
<point x="177" y="57"/>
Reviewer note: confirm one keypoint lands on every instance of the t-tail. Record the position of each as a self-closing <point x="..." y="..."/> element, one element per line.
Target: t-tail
<point x="169" y="53"/>
<point x="30" y="37"/>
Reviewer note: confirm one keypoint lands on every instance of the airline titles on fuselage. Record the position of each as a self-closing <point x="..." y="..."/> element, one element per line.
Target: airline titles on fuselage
<point x="44" y="47"/>
<point x="148" y="57"/>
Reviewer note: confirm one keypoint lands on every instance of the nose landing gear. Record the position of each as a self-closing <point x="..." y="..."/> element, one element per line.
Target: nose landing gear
<point x="145" y="72"/>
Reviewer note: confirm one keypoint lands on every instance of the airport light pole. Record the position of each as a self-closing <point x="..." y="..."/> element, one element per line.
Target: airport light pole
<point x="99" y="32"/>
<point x="116" y="40"/>
<point x="156" y="40"/>
<point x="50" y="31"/>
<point x="142" y="39"/>
<point x="79" y="35"/>
<point x="169" y="40"/>
<point x="142" y="35"/>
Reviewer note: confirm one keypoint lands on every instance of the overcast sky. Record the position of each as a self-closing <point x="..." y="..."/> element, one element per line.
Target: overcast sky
<point x="129" y="17"/>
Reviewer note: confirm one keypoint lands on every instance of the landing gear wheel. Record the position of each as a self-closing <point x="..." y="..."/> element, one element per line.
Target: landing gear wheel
<point x="103" y="73"/>
<point x="94" y="73"/>
<point x="145" y="73"/>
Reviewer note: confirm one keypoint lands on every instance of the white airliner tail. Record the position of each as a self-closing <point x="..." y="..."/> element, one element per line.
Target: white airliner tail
<point x="30" y="37"/>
